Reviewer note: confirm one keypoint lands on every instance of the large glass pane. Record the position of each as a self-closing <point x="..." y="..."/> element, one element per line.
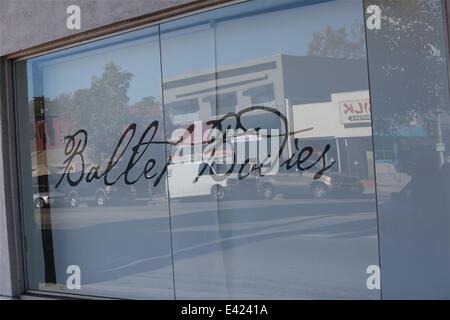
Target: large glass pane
<point x="409" y="81"/>
<point x="95" y="203"/>
<point x="271" y="175"/>
<point x="193" y="206"/>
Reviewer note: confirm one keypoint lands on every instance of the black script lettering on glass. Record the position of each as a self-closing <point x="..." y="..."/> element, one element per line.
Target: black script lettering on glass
<point x="77" y="144"/>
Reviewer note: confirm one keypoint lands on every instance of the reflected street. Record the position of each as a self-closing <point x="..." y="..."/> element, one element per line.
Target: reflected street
<point x="316" y="236"/>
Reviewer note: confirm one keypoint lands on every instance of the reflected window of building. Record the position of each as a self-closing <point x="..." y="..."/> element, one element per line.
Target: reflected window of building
<point x="184" y="111"/>
<point x="223" y="103"/>
<point x="261" y="96"/>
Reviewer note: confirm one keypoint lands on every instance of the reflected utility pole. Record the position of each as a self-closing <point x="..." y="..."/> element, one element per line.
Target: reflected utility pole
<point x="440" y="144"/>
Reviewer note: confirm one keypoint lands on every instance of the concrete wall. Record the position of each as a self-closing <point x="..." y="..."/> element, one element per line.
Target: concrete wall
<point x="27" y="23"/>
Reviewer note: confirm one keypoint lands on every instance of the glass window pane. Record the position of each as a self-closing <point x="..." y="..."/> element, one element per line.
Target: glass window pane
<point x="409" y="81"/>
<point x="91" y="119"/>
<point x="253" y="172"/>
<point x="288" y="208"/>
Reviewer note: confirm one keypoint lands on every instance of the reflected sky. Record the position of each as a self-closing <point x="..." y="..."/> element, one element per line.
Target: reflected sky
<point x="68" y="71"/>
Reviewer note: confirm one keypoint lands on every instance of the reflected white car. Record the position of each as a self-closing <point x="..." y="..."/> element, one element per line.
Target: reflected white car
<point x="192" y="179"/>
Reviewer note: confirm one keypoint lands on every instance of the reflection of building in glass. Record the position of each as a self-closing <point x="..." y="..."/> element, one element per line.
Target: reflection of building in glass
<point x="344" y="123"/>
<point x="283" y="82"/>
<point x="204" y="95"/>
<point x="264" y="82"/>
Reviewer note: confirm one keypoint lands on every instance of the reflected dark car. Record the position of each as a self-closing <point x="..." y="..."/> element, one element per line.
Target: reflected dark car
<point x="45" y="195"/>
<point x="294" y="182"/>
<point x="240" y="188"/>
<point x="100" y="196"/>
<point x="96" y="193"/>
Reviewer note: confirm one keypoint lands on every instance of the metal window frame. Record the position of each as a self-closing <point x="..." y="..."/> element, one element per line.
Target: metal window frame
<point x="12" y="281"/>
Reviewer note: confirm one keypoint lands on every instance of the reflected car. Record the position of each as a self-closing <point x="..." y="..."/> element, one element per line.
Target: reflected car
<point x="297" y="182"/>
<point x="240" y="188"/>
<point x="45" y="195"/>
<point x="97" y="194"/>
<point x="194" y="180"/>
<point x="115" y="194"/>
<point x="100" y="196"/>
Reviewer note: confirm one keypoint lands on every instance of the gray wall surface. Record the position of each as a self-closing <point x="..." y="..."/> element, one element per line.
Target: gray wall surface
<point x="27" y="23"/>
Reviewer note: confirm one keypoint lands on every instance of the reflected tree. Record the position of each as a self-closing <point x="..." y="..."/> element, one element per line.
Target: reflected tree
<point x="101" y="109"/>
<point x="339" y="43"/>
<point x="409" y="54"/>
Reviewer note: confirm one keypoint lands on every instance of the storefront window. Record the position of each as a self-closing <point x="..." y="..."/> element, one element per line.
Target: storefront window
<point x="227" y="154"/>
<point x="300" y="226"/>
<point x="409" y="82"/>
<point x="86" y="205"/>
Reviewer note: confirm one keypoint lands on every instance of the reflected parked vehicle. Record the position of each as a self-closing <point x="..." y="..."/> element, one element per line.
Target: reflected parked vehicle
<point x="291" y="182"/>
<point x="44" y="196"/>
<point x="96" y="193"/>
<point x="242" y="185"/>
<point x="101" y="196"/>
<point x="194" y="180"/>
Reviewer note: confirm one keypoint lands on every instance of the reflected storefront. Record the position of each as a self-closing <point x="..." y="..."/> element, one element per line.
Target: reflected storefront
<point x="261" y="150"/>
